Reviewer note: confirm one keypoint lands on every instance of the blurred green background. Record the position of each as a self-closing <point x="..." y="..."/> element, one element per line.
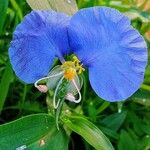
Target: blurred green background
<point x="126" y="124"/>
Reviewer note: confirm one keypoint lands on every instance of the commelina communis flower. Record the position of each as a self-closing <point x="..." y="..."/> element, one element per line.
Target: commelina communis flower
<point x="102" y="40"/>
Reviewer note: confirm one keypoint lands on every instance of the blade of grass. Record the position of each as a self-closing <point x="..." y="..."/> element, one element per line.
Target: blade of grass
<point x="17" y="9"/>
<point x="3" y="10"/>
<point x="4" y="84"/>
<point x="145" y="87"/>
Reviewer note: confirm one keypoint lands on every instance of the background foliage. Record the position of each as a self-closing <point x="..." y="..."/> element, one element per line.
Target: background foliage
<point x="126" y="124"/>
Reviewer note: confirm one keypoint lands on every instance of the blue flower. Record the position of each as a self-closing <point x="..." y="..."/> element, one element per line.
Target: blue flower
<point x="101" y="37"/>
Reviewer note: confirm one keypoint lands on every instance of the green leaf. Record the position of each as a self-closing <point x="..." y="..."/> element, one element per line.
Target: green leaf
<point x="89" y="132"/>
<point x="126" y="142"/>
<point x="3" y="10"/>
<point x="142" y="97"/>
<point x="85" y="4"/>
<point x="17" y="8"/>
<point x="32" y="133"/>
<point x="135" y="13"/>
<point x="4" y="84"/>
<point x="145" y="128"/>
<point x="118" y="5"/>
<point x="114" y="121"/>
<point x="109" y="132"/>
<point x="145" y="143"/>
<point x="67" y="6"/>
<point x="144" y="29"/>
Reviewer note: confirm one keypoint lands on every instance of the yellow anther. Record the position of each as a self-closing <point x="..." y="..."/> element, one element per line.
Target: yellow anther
<point x="79" y="67"/>
<point x="76" y="60"/>
<point x="80" y="70"/>
<point x="71" y="68"/>
<point x="67" y="64"/>
<point x="70" y="73"/>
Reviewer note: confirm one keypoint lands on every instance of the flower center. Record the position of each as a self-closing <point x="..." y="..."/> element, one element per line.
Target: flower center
<point x="71" y="68"/>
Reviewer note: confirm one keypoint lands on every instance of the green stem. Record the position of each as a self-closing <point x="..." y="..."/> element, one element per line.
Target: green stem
<point x="58" y="112"/>
<point x="145" y="87"/>
<point x="17" y="8"/>
<point x="103" y="107"/>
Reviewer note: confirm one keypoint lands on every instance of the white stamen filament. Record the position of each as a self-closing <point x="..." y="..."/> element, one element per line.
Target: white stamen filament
<point x="69" y="96"/>
<point x="55" y="75"/>
<point x="56" y="90"/>
<point x="78" y="90"/>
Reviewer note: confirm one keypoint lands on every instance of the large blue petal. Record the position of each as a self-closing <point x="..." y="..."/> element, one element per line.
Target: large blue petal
<point x="40" y="38"/>
<point x="114" y="52"/>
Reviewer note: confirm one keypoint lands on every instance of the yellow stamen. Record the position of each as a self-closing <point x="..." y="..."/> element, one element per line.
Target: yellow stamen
<point x="71" y="68"/>
<point x="70" y="73"/>
<point x="79" y="67"/>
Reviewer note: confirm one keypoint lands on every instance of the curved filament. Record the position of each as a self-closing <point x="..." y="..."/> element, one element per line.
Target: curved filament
<point x="55" y="75"/>
<point x="78" y="90"/>
<point x="56" y="90"/>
